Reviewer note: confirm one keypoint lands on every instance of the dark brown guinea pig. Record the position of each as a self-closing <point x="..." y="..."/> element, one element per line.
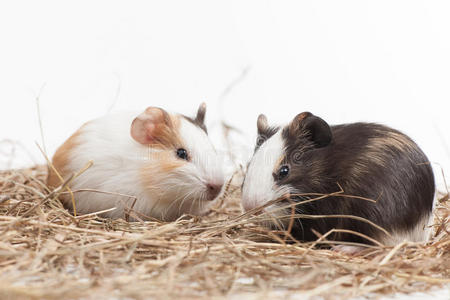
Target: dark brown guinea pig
<point x="358" y="162"/>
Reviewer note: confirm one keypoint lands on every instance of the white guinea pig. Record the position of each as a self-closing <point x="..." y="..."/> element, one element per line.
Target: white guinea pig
<point x="308" y="158"/>
<point x="158" y="164"/>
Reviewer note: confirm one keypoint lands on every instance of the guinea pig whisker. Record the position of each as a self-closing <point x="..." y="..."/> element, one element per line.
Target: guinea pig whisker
<point x="195" y="202"/>
<point x="305" y="198"/>
<point x="162" y="195"/>
<point x="284" y="197"/>
<point x="173" y="203"/>
<point x="180" y="199"/>
<point x="186" y="173"/>
<point x="186" y="197"/>
<point x="196" y="199"/>
<point x="177" y="191"/>
<point x="272" y="202"/>
<point x="269" y="220"/>
<point x="155" y="204"/>
<point x="169" y="181"/>
<point x="338" y="194"/>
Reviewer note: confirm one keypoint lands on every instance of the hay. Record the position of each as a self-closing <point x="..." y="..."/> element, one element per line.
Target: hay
<point x="47" y="253"/>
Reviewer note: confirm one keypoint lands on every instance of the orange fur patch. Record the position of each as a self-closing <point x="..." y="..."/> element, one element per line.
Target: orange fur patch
<point x="165" y="161"/>
<point x="167" y="135"/>
<point x="161" y="164"/>
<point x="61" y="159"/>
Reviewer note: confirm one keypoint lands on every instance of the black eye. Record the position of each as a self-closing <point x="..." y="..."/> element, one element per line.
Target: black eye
<point x="284" y="171"/>
<point x="182" y="153"/>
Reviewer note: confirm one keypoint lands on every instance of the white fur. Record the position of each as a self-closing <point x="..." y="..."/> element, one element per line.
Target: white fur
<point x="118" y="161"/>
<point x="206" y="162"/>
<point x="422" y="232"/>
<point x="259" y="186"/>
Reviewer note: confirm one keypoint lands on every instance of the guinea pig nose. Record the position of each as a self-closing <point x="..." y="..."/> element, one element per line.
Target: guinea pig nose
<point x="213" y="190"/>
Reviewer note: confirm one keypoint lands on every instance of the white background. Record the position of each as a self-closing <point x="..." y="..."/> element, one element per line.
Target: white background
<point x="346" y="61"/>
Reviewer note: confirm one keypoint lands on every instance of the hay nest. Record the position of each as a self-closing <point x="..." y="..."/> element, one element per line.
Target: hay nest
<point x="45" y="252"/>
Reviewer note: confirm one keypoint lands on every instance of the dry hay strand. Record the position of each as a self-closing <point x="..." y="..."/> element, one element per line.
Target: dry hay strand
<point x="45" y="252"/>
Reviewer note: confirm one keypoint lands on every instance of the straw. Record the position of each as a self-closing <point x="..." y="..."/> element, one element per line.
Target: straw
<point x="47" y="253"/>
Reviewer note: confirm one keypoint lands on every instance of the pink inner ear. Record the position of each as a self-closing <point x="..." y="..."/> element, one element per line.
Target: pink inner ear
<point x="144" y="128"/>
<point x="149" y="127"/>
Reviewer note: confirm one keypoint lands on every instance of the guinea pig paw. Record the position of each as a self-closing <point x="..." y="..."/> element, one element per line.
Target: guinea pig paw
<point x="348" y="250"/>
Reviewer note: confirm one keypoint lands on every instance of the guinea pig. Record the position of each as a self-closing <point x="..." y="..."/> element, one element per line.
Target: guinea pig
<point x="349" y="164"/>
<point x="160" y="165"/>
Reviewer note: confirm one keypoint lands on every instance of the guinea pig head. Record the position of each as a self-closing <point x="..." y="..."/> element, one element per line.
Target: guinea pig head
<point x="280" y="163"/>
<point x="182" y="170"/>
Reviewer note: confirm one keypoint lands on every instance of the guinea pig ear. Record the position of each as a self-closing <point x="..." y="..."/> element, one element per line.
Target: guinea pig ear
<point x="149" y="125"/>
<point x="262" y="124"/>
<point x="264" y="130"/>
<point x="200" y="118"/>
<point x="317" y="130"/>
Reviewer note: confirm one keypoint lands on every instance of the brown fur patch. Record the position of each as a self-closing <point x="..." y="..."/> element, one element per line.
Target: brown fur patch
<point x="61" y="159"/>
<point x="394" y="140"/>
<point x="157" y="168"/>
<point x="167" y="135"/>
<point x="165" y="161"/>
<point x="378" y="151"/>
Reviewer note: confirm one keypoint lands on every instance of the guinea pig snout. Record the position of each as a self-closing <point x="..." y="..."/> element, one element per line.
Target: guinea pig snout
<point x="213" y="190"/>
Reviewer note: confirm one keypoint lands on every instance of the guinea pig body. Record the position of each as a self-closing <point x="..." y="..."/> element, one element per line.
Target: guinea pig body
<point x="157" y="164"/>
<point x="357" y="162"/>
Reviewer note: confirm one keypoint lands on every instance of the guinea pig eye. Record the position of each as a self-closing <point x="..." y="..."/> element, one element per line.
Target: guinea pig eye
<point x="284" y="171"/>
<point x="182" y="153"/>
